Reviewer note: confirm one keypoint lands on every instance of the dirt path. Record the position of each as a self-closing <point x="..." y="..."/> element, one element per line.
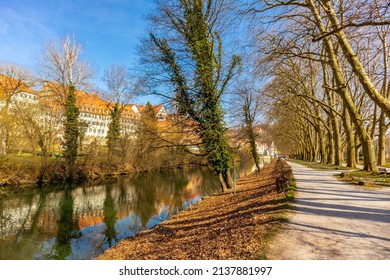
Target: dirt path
<point x="333" y="220"/>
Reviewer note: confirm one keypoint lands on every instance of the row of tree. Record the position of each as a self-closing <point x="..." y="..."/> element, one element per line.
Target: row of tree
<point x="328" y="63"/>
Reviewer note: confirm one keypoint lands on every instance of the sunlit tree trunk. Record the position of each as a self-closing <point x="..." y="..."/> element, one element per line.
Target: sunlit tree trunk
<point x="330" y="143"/>
<point x="366" y="141"/>
<point x="382" y="128"/>
<point x="351" y="153"/>
<point x="354" y="61"/>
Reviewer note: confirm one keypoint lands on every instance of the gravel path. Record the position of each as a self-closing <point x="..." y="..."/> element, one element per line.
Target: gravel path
<point x="334" y="220"/>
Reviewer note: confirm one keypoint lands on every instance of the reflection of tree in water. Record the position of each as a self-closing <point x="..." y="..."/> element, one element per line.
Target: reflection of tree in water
<point x="5" y="224"/>
<point x="68" y="227"/>
<point x="110" y="216"/>
<point x="124" y="200"/>
<point x="145" y="197"/>
<point x="175" y="183"/>
<point x="5" y="220"/>
<point x="22" y="245"/>
<point x="209" y="183"/>
<point x="153" y="190"/>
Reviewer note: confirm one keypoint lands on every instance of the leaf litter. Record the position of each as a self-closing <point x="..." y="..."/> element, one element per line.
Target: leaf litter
<point x="224" y="226"/>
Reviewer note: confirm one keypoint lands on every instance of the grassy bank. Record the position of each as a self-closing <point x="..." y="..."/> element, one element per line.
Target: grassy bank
<point x="358" y="177"/>
<point x="366" y="178"/>
<point x="221" y="226"/>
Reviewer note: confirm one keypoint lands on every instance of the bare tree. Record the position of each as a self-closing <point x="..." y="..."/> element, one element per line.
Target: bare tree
<point x="14" y="80"/>
<point x="346" y="32"/>
<point x="245" y="107"/>
<point x="64" y="72"/>
<point x="121" y="89"/>
<point x="62" y="67"/>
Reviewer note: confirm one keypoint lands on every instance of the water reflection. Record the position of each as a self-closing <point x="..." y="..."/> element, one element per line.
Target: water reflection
<point x="67" y="226"/>
<point x="80" y="222"/>
<point x="110" y="217"/>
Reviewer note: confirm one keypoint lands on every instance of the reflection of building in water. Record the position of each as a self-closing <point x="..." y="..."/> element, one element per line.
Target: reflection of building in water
<point x="169" y="203"/>
<point x="82" y="222"/>
<point x="20" y="214"/>
<point x="192" y="189"/>
<point x="89" y="203"/>
<point x="41" y="210"/>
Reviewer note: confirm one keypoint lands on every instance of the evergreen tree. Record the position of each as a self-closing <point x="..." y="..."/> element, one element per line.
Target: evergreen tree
<point x="71" y="132"/>
<point x="114" y="129"/>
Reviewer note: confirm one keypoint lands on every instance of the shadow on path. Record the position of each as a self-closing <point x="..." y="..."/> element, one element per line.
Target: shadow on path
<point x="334" y="220"/>
<point x="308" y="228"/>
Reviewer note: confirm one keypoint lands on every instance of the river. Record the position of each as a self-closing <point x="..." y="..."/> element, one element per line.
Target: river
<point x="80" y="222"/>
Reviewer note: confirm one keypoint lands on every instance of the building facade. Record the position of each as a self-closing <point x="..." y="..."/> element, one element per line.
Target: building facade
<point x="95" y="112"/>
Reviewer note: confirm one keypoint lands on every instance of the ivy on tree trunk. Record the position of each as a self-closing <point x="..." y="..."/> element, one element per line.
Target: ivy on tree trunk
<point x="71" y="133"/>
<point x="199" y="96"/>
<point x="114" y="129"/>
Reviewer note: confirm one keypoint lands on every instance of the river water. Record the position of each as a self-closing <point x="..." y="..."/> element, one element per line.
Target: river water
<point x="81" y="222"/>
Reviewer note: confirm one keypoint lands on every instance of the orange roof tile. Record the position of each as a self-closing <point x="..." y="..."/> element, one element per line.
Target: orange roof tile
<point x="10" y="85"/>
<point x="88" y="102"/>
<point x="156" y="108"/>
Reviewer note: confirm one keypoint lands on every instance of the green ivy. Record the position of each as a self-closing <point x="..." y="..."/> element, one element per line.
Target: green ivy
<point x="71" y="132"/>
<point x="114" y="129"/>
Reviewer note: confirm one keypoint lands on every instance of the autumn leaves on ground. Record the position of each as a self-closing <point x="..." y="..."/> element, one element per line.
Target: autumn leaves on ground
<point x="223" y="226"/>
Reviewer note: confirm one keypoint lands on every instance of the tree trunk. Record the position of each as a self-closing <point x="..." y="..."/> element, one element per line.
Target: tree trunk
<point x="228" y="179"/>
<point x="355" y="63"/>
<point x="369" y="155"/>
<point x="225" y="180"/>
<point x="351" y="148"/>
<point x="337" y="142"/>
<point x="330" y="145"/>
<point x="332" y="116"/>
<point x="321" y="137"/>
<point x="324" y="155"/>
<point x="311" y="146"/>
<point x="382" y="140"/>
<point x="365" y="140"/>
<point x="357" y="149"/>
<point x="252" y="141"/>
<point x="222" y="182"/>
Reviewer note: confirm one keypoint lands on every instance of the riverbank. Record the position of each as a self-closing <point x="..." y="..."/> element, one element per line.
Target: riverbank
<point x="221" y="226"/>
<point x="21" y="173"/>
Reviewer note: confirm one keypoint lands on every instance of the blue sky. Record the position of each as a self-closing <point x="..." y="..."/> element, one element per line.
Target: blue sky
<point x="109" y="30"/>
